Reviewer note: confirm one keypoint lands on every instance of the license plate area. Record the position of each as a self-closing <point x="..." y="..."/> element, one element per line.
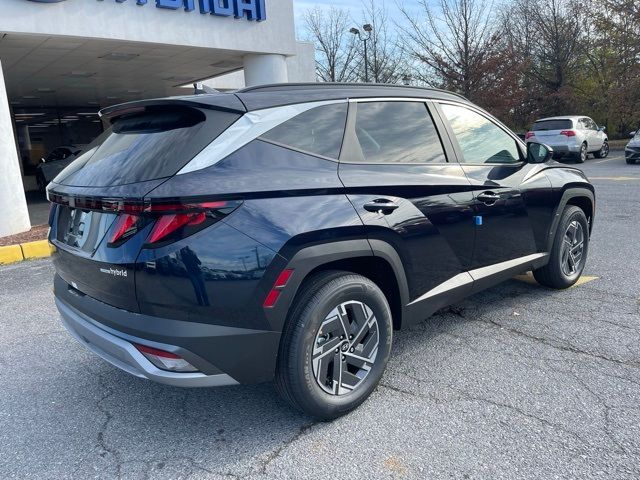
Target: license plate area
<point x="83" y="229"/>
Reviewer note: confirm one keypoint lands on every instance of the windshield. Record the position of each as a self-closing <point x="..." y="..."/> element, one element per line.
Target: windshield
<point x="542" y="125"/>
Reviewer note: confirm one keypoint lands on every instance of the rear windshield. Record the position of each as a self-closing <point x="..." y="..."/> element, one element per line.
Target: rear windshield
<point x="145" y="146"/>
<point x="552" y="125"/>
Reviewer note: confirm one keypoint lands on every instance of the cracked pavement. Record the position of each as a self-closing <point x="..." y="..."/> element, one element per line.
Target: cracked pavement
<point x="515" y="382"/>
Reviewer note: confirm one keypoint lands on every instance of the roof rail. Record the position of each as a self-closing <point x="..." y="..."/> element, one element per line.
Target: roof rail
<point x="319" y="85"/>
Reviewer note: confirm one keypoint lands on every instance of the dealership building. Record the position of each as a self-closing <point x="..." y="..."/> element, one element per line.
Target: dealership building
<point x="63" y="60"/>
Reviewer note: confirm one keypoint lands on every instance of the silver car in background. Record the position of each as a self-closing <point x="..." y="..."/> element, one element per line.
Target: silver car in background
<point x="575" y="136"/>
<point x="632" y="150"/>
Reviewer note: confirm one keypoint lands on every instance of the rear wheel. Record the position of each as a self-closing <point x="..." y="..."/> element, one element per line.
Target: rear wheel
<point x="569" y="252"/>
<point x="604" y="150"/>
<point x="335" y="345"/>
<point x="583" y="154"/>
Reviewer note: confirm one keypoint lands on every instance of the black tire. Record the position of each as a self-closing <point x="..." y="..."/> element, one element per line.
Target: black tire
<point x="553" y="274"/>
<point x="583" y="155"/>
<point x="318" y="296"/>
<point x="604" y="150"/>
<point x="630" y="161"/>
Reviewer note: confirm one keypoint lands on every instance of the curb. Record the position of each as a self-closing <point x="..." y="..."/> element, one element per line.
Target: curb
<point x="25" y="251"/>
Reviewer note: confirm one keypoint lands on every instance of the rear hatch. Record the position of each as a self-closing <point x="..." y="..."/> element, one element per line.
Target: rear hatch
<point x="554" y="132"/>
<point x="100" y="219"/>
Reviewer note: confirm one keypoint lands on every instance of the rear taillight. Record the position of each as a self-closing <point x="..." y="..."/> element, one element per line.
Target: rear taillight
<point x="568" y="133"/>
<point x="178" y="220"/>
<point x="125" y="226"/>
<point x="529" y="135"/>
<point x="171" y="220"/>
<point x="165" y="360"/>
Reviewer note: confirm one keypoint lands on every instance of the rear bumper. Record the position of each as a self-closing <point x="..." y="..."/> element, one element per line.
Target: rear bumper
<point x="223" y="355"/>
<point x="125" y="356"/>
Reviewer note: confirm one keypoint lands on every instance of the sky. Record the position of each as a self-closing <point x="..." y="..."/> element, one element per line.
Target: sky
<point x="355" y="6"/>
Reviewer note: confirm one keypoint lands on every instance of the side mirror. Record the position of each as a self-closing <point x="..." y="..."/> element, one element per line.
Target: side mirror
<point x="602" y="129"/>
<point x="632" y="134"/>
<point x="538" y="153"/>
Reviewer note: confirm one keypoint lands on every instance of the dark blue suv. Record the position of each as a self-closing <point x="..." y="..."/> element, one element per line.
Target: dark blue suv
<point x="283" y="232"/>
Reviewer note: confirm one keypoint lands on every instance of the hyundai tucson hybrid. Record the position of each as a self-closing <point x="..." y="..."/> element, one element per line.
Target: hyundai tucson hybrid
<point x="576" y="137"/>
<point x="284" y="232"/>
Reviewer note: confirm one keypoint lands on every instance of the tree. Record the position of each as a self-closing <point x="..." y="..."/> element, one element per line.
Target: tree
<point x="385" y="58"/>
<point x="460" y="47"/>
<point x="551" y="47"/>
<point x="336" y="48"/>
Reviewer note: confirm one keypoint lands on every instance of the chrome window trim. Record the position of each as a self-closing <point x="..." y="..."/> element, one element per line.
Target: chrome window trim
<point x="246" y="129"/>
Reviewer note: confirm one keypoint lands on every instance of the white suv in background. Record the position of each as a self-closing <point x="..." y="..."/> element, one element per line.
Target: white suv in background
<point x="573" y="135"/>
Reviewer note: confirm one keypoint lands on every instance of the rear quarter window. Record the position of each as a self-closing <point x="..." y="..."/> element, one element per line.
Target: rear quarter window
<point x="145" y="146"/>
<point x="318" y="131"/>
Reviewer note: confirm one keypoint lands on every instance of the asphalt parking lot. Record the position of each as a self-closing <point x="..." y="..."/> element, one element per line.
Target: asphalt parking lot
<point x="516" y="382"/>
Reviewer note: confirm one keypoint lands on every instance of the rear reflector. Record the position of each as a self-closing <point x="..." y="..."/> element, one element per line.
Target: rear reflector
<point x="278" y="285"/>
<point x="165" y="360"/>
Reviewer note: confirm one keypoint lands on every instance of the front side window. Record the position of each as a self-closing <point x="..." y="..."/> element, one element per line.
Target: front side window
<point x="480" y="140"/>
<point x="318" y="131"/>
<point x="398" y="132"/>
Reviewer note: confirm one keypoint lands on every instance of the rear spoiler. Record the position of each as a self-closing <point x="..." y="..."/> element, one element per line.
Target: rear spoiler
<point x="227" y="102"/>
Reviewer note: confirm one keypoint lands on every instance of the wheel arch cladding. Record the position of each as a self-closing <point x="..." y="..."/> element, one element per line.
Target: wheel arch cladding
<point x="583" y="198"/>
<point x="356" y="256"/>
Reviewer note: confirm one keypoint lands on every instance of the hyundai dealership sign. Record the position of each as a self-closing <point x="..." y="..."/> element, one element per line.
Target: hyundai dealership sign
<point x="251" y="9"/>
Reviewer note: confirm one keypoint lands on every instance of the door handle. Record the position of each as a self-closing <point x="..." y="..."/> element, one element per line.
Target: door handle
<point x="488" y="198"/>
<point x="381" y="205"/>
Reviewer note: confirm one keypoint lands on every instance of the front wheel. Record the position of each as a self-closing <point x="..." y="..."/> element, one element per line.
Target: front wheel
<point x="569" y="252"/>
<point x="335" y="345"/>
<point x="604" y="150"/>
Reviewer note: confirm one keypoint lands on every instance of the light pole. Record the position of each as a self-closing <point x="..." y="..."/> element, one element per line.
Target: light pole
<point x="367" y="28"/>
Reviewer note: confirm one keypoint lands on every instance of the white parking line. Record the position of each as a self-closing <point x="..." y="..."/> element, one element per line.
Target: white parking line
<point x="608" y="159"/>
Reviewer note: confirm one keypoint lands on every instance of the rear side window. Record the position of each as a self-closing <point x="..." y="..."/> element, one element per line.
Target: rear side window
<point x="480" y="140"/>
<point x="552" y="125"/>
<point x="398" y="132"/>
<point x="318" y="131"/>
<point x="152" y="144"/>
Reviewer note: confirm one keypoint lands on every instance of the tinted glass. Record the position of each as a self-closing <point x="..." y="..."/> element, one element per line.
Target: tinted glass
<point x="318" y="131"/>
<point x="552" y="125"/>
<point x="145" y="146"/>
<point x="398" y="132"/>
<point x="480" y="140"/>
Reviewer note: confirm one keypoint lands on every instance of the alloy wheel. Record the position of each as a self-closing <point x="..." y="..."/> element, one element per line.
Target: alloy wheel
<point x="604" y="151"/>
<point x="572" y="249"/>
<point x="345" y="348"/>
<point x="583" y="153"/>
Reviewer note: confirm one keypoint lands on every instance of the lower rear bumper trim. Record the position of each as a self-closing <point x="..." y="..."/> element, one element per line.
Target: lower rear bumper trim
<point x="125" y="356"/>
